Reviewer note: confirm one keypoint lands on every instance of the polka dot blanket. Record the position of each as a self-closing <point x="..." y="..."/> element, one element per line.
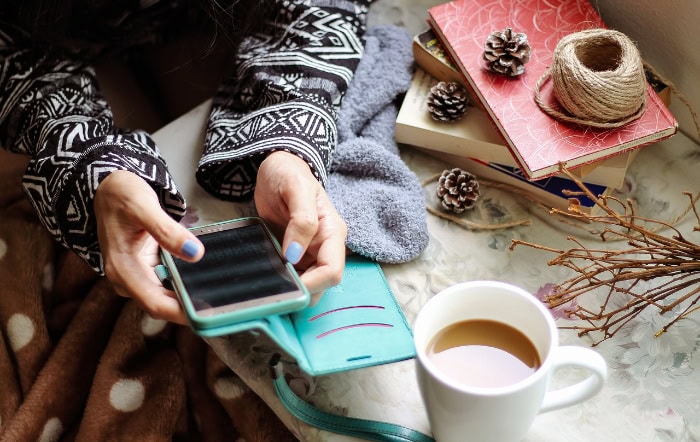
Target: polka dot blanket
<point x="79" y="363"/>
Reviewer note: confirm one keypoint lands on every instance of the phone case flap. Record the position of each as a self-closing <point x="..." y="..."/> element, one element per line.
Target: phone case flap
<point x="355" y="324"/>
<point x="279" y="327"/>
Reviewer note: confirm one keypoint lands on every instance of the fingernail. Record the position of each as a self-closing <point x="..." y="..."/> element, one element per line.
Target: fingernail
<point x="190" y="248"/>
<point x="293" y="253"/>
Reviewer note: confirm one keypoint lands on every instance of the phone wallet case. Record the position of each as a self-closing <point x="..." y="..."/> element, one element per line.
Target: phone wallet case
<point x="355" y="324"/>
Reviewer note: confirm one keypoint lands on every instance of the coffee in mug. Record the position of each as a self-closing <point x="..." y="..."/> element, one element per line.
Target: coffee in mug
<point x="467" y="405"/>
<point x="483" y="353"/>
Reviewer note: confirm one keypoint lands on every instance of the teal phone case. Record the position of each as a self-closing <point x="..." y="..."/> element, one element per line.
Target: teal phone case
<point x="206" y="322"/>
<point x="355" y="324"/>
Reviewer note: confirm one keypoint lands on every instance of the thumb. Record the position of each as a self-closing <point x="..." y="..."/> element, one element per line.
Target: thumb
<point x="170" y="235"/>
<point x="302" y="226"/>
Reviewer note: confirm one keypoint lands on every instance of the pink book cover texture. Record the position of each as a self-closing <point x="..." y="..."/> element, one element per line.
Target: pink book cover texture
<point x="538" y="142"/>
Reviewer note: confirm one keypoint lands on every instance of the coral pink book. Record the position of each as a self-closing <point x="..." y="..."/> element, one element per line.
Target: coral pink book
<point x="537" y="141"/>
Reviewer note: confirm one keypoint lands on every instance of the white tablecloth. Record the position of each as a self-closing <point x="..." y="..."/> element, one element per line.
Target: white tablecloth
<point x="653" y="392"/>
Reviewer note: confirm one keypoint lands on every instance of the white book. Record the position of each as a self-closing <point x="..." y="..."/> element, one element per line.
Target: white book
<point x="475" y="136"/>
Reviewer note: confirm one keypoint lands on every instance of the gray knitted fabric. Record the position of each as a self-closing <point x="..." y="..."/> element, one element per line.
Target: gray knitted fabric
<point x="377" y="195"/>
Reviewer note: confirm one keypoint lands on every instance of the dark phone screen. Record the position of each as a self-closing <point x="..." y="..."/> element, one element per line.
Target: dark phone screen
<point x="239" y="264"/>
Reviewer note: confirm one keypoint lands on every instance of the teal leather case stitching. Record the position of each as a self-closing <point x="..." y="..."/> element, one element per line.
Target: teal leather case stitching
<point x="355" y="324"/>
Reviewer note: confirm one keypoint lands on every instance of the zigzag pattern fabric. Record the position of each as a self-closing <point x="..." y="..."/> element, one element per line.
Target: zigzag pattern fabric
<point x="287" y="85"/>
<point x="284" y="94"/>
<point x="52" y="111"/>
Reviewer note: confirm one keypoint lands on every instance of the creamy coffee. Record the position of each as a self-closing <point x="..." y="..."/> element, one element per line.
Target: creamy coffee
<point x="483" y="353"/>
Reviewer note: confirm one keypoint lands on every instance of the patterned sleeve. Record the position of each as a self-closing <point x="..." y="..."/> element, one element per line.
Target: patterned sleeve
<point x="52" y="111"/>
<point x="284" y="93"/>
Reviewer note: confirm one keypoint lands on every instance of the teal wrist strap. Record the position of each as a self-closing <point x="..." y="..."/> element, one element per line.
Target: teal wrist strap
<point x="360" y="428"/>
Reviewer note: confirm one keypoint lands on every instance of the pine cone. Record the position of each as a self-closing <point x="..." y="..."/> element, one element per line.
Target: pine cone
<point x="458" y="190"/>
<point x="447" y="101"/>
<point x="506" y="52"/>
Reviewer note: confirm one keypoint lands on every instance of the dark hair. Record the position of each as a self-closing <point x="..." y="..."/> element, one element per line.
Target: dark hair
<point x="235" y="18"/>
<point x="49" y="20"/>
<point x="93" y="21"/>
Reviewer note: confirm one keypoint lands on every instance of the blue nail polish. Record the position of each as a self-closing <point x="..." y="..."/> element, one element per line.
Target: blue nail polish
<point x="190" y="248"/>
<point x="293" y="253"/>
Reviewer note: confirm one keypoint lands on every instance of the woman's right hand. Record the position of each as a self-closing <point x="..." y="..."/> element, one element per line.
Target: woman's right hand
<point x="131" y="225"/>
<point x="297" y="208"/>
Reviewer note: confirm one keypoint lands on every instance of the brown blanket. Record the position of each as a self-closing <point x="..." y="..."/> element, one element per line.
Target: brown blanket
<point x="77" y="362"/>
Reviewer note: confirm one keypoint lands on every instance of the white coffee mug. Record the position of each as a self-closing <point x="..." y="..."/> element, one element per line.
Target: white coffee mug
<point x="459" y="412"/>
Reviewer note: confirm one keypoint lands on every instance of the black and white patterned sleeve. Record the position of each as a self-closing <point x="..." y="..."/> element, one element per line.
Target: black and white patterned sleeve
<point x="284" y="93"/>
<point x="52" y="111"/>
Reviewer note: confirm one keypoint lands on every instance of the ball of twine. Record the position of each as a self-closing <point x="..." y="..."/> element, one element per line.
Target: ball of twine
<point x="598" y="79"/>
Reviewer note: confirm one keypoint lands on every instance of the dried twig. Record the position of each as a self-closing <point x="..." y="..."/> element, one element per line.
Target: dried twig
<point x="670" y="260"/>
<point x="473" y="225"/>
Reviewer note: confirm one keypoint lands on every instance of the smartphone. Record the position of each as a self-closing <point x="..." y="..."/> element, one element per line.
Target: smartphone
<point x="242" y="276"/>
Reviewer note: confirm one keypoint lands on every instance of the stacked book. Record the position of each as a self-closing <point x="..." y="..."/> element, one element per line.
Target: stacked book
<point x="504" y="136"/>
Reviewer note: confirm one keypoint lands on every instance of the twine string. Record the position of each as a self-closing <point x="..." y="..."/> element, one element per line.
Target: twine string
<point x="475" y="225"/>
<point x="598" y="79"/>
<point x="576" y="220"/>
<point x="678" y="94"/>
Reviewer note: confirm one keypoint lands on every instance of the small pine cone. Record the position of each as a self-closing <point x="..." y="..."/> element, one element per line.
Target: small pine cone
<point x="458" y="190"/>
<point x="506" y="52"/>
<point x="447" y="101"/>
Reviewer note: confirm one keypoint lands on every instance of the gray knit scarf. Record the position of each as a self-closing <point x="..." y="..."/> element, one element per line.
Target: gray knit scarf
<point x="377" y="195"/>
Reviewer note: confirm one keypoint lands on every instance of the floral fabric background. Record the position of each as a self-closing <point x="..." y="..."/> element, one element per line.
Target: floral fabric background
<point x="654" y="383"/>
<point x="652" y="390"/>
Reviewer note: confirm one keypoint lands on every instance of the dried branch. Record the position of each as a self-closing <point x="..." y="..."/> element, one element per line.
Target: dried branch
<point x="670" y="260"/>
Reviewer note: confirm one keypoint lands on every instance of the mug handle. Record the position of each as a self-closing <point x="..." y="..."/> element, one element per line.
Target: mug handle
<point x="573" y="356"/>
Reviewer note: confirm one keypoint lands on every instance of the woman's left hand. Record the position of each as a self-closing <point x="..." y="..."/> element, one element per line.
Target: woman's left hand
<point x="131" y="226"/>
<point x="296" y="207"/>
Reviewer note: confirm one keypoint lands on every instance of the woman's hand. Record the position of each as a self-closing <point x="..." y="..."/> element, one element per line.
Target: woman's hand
<point x="130" y="226"/>
<point x="297" y="209"/>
